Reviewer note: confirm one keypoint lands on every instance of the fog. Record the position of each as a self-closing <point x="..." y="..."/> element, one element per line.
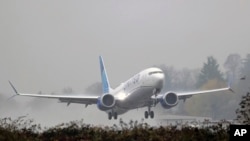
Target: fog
<point x="51" y="45"/>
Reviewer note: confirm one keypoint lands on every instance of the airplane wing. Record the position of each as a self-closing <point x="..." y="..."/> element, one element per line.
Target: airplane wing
<point x="63" y="98"/>
<point x="203" y="92"/>
<point x="185" y="95"/>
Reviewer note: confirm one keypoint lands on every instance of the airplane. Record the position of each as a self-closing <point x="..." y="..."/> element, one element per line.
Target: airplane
<point x="141" y="90"/>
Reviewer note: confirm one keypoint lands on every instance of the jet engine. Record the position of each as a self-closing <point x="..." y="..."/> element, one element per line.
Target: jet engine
<point x="169" y="99"/>
<point x="106" y="102"/>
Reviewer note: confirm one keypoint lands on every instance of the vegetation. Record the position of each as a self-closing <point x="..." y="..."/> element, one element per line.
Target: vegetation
<point x="21" y="129"/>
<point x="209" y="71"/>
<point x="243" y="113"/>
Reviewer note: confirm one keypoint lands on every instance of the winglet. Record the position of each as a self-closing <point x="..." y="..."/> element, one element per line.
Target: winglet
<point x="13" y="88"/>
<point x="11" y="97"/>
<point x="230" y="87"/>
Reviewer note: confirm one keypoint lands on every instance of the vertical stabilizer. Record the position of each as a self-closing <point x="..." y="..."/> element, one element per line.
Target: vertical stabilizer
<point x="105" y="81"/>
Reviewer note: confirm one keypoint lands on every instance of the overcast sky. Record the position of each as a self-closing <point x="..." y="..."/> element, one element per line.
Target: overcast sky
<point x="48" y="45"/>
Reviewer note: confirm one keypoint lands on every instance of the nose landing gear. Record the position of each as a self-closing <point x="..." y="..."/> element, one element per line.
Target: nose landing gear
<point x="155" y="92"/>
<point x="149" y="112"/>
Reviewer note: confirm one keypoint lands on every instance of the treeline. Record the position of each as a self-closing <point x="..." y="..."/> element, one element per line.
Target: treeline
<point x="24" y="130"/>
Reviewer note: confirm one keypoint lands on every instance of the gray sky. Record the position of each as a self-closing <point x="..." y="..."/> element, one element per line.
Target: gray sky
<point x="48" y="45"/>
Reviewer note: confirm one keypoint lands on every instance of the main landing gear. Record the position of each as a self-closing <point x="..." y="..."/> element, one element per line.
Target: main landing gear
<point x="112" y="114"/>
<point x="149" y="113"/>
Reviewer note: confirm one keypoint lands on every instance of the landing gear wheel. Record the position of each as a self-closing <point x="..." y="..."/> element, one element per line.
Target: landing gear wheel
<point x="146" y="114"/>
<point x="152" y="114"/>
<point x="115" y="115"/>
<point x="110" y="115"/>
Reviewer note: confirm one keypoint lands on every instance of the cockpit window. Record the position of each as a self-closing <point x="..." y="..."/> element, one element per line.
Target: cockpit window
<point x="154" y="72"/>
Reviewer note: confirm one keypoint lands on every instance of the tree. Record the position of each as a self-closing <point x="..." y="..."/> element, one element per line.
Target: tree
<point x="243" y="95"/>
<point x="232" y="66"/>
<point x="243" y="85"/>
<point x="209" y="71"/>
<point x="243" y="113"/>
<point x="246" y="66"/>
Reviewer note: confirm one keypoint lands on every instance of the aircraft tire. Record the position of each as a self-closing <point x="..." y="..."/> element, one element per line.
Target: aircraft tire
<point x="152" y="114"/>
<point x="146" y="114"/>
<point x="110" y="115"/>
<point x="115" y="115"/>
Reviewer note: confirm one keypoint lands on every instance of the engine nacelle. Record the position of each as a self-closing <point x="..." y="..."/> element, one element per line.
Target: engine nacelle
<point x="106" y="102"/>
<point x="169" y="99"/>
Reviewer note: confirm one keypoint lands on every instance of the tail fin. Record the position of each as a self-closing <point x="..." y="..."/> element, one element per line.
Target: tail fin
<point x="105" y="81"/>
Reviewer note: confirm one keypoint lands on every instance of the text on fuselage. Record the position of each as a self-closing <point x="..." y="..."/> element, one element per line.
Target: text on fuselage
<point x="132" y="81"/>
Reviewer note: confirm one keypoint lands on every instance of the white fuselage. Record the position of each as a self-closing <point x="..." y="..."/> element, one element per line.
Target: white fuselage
<point x="138" y="90"/>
